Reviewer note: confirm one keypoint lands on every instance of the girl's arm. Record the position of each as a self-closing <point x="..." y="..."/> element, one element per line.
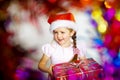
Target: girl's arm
<point x="43" y="64"/>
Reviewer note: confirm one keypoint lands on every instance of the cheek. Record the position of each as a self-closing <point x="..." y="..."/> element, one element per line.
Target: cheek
<point x="66" y="36"/>
<point x="55" y="37"/>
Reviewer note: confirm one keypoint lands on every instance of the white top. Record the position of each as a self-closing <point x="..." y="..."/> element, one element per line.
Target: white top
<point x="57" y="53"/>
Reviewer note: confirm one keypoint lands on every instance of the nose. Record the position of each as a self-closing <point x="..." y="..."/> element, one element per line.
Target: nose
<point x="59" y="35"/>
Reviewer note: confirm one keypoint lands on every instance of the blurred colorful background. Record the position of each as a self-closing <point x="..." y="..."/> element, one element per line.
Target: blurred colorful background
<point x="24" y="28"/>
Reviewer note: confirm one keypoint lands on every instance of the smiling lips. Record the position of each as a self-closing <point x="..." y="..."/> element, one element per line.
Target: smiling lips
<point x="60" y="40"/>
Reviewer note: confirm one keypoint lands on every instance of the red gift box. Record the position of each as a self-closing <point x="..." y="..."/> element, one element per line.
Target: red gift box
<point x="75" y="71"/>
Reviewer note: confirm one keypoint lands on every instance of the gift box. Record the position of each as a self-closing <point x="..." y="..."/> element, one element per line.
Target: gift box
<point x="78" y="71"/>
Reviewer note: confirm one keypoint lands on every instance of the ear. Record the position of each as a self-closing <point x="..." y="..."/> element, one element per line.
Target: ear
<point x="72" y="33"/>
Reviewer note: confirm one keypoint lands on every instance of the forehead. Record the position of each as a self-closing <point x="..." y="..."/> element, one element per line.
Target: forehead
<point x="61" y="29"/>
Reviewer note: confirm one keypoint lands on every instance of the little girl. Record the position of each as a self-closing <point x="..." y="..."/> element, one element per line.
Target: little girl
<point x="63" y="48"/>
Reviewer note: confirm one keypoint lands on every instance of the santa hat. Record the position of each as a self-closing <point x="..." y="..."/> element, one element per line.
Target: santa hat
<point x="62" y="20"/>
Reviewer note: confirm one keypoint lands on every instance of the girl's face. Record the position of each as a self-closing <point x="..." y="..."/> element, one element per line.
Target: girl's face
<point x="62" y="36"/>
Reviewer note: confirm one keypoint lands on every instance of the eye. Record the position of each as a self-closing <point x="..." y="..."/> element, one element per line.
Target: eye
<point x="54" y="32"/>
<point x="62" y="32"/>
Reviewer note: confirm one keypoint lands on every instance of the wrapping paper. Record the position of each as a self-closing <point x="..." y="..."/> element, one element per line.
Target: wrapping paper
<point x="78" y="71"/>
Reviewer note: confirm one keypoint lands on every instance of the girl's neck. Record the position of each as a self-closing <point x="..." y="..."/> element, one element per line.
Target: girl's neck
<point x="68" y="44"/>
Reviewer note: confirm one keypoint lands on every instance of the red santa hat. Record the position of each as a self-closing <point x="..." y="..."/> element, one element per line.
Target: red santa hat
<point x="62" y="20"/>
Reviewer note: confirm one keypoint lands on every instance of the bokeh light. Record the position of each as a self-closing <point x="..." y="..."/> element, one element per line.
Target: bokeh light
<point x="24" y="28"/>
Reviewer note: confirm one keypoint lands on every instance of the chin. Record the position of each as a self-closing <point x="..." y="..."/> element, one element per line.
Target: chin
<point x="60" y="43"/>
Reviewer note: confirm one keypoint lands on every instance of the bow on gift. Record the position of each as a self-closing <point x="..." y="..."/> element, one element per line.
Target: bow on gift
<point x="77" y="58"/>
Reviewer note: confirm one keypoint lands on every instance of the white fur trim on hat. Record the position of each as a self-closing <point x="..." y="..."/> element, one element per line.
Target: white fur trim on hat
<point x="63" y="23"/>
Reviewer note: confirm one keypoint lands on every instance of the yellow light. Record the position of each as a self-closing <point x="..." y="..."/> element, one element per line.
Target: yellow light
<point x="96" y="14"/>
<point x="102" y="28"/>
<point x="107" y="4"/>
<point x="117" y="15"/>
<point x="102" y="25"/>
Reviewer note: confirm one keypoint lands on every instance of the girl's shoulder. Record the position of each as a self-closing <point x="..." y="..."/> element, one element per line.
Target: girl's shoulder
<point x="48" y="49"/>
<point x="48" y="45"/>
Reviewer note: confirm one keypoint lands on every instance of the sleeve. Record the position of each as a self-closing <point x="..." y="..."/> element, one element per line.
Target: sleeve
<point x="46" y="49"/>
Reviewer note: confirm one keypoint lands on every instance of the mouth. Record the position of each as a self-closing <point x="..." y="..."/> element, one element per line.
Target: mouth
<point x="60" y="39"/>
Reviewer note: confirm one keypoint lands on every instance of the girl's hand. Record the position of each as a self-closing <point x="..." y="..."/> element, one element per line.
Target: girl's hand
<point x="84" y="61"/>
<point x="50" y="70"/>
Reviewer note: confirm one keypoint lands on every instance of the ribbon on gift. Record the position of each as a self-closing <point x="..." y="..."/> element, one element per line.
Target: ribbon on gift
<point x="62" y="78"/>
